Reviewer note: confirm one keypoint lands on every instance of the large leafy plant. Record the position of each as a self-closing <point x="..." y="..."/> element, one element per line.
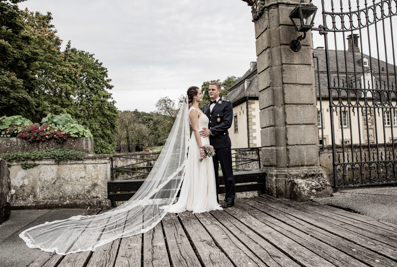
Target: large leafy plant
<point x="11" y="126"/>
<point x="67" y="124"/>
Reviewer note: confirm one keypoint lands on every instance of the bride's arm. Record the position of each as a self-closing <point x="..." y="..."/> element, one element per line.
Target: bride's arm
<point x="195" y="126"/>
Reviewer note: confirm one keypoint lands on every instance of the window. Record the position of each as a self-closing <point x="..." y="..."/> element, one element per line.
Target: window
<point x="386" y="118"/>
<point x="395" y="118"/>
<point x="235" y="124"/>
<point x="319" y="119"/>
<point x="344" y="119"/>
<point x="365" y="62"/>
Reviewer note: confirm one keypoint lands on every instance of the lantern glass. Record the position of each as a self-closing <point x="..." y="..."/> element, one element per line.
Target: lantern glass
<point x="303" y="17"/>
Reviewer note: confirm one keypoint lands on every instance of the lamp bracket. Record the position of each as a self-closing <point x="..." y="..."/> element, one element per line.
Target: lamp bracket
<point x="296" y="45"/>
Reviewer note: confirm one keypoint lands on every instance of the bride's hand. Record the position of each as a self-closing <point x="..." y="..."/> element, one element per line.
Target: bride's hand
<point x="202" y="153"/>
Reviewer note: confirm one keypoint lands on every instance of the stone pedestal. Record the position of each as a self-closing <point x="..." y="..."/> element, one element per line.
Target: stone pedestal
<point x="5" y="192"/>
<point x="287" y="97"/>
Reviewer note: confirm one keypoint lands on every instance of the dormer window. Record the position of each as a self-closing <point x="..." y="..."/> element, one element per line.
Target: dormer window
<point x="246" y="84"/>
<point x="365" y="62"/>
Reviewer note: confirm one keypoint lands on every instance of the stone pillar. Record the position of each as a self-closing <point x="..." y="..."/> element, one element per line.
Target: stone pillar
<point x="287" y="100"/>
<point x="5" y="192"/>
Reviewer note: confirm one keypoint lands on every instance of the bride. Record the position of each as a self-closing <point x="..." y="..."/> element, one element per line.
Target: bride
<point x="178" y="162"/>
<point x="198" y="193"/>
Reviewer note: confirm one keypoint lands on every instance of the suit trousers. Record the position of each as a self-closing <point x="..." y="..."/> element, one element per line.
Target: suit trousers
<point x="224" y="156"/>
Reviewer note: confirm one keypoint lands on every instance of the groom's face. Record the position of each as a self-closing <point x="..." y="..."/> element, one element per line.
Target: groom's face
<point x="214" y="92"/>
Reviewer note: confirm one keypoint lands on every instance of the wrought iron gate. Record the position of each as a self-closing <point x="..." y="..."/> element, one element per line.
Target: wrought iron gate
<point x="361" y="79"/>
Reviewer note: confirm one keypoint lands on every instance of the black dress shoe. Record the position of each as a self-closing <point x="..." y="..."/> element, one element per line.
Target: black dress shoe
<point x="228" y="204"/>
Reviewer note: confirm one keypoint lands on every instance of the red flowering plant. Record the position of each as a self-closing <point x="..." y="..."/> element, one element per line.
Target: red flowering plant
<point x="44" y="132"/>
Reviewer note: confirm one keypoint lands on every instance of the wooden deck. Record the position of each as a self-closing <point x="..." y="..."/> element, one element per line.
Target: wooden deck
<point x="261" y="231"/>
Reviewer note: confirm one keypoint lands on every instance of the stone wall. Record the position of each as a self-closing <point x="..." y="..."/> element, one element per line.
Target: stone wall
<point x="5" y="192"/>
<point x="15" y="144"/>
<point x="70" y="184"/>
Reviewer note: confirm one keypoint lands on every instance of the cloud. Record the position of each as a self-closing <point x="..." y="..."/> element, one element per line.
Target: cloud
<point x="157" y="48"/>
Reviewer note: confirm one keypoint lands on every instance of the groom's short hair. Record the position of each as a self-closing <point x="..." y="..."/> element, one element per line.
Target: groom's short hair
<point x="218" y="85"/>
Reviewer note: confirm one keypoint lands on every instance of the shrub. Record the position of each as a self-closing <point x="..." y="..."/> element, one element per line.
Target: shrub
<point x="37" y="132"/>
<point x="67" y="124"/>
<point x="11" y="126"/>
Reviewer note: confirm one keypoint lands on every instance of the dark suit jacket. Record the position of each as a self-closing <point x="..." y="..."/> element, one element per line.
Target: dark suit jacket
<point x="220" y="121"/>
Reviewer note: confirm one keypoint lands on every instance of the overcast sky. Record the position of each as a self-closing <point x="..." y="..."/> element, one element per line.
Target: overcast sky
<point x="157" y="48"/>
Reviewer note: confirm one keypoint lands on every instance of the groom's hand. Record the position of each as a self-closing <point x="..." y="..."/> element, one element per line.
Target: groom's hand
<point x="205" y="132"/>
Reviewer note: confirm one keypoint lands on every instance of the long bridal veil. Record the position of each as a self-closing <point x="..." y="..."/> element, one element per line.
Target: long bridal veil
<point x="141" y="213"/>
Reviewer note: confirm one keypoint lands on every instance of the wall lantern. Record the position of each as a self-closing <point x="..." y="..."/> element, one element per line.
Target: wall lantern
<point x="303" y="18"/>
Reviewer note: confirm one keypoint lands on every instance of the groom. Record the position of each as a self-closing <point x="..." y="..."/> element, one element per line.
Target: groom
<point x="220" y="114"/>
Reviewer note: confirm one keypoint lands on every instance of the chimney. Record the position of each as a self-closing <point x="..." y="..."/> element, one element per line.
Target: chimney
<point x="252" y="65"/>
<point x="352" y="40"/>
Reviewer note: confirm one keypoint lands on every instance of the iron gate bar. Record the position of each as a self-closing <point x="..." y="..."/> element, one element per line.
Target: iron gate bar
<point x="349" y="95"/>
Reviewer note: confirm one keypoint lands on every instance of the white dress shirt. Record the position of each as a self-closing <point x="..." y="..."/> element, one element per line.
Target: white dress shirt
<point x="213" y="104"/>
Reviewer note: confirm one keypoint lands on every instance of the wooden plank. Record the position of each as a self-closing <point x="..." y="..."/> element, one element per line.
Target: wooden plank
<point x="364" y="241"/>
<point x="180" y="249"/>
<point x="353" y="223"/>
<point x="368" y="232"/>
<point x="392" y="228"/>
<point x="41" y="260"/>
<point x="130" y="252"/>
<point x="104" y="255"/>
<point x="322" y="249"/>
<point x="237" y="252"/>
<point x="346" y="246"/>
<point x="259" y="246"/>
<point x="154" y="248"/>
<point x="210" y="254"/>
<point x="76" y="259"/>
<point x="291" y="248"/>
<point x="54" y="261"/>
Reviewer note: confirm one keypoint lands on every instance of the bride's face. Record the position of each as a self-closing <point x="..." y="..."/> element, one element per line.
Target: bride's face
<point x="199" y="96"/>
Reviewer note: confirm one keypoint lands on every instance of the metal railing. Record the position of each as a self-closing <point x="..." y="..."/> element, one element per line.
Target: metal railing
<point x="139" y="165"/>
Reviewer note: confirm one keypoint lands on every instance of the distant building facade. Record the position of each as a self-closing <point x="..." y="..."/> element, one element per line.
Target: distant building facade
<point x="351" y="124"/>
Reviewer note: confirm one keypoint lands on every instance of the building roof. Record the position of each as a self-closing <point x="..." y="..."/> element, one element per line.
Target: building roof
<point x="340" y="61"/>
<point x="245" y="87"/>
<point x="384" y="74"/>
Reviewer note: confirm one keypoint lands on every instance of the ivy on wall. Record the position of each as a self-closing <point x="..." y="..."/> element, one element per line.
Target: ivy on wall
<point x="57" y="154"/>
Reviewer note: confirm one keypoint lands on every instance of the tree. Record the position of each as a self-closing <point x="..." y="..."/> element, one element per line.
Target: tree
<point x="133" y="132"/>
<point x="229" y="82"/>
<point x="94" y="106"/>
<point x="36" y="78"/>
<point x="225" y="85"/>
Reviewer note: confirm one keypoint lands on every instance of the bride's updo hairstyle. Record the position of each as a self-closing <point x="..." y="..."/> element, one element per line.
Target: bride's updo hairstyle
<point x="191" y="93"/>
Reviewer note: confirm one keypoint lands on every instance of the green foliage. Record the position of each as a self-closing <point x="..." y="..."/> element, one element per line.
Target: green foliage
<point x="58" y="120"/>
<point x="26" y="165"/>
<point x="57" y="154"/>
<point x="11" y="126"/>
<point x="225" y="85"/>
<point x="67" y="124"/>
<point x="229" y="82"/>
<point x="132" y="132"/>
<point x="37" y="78"/>
<point x="94" y="106"/>
<point x="77" y="130"/>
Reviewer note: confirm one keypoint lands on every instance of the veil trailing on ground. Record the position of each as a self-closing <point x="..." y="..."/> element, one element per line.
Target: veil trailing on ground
<point x="141" y="213"/>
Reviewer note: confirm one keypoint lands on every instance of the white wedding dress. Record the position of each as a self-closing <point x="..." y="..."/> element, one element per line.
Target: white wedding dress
<point x="198" y="193"/>
<point x="148" y="205"/>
